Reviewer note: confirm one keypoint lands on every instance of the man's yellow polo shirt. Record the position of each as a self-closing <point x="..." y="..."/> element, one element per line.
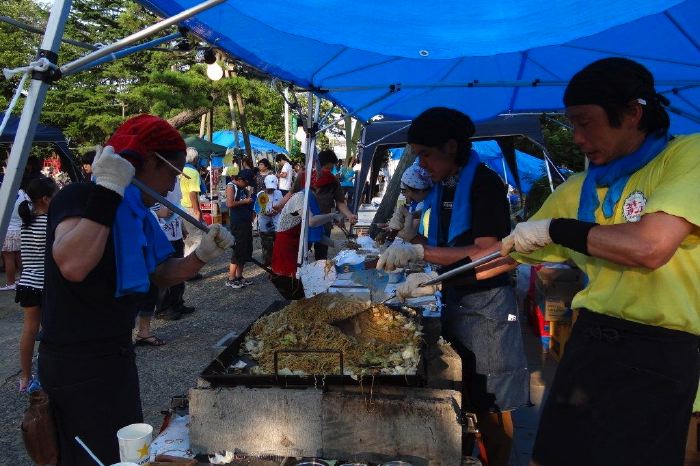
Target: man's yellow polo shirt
<point x="187" y="186"/>
<point x="668" y="296"/>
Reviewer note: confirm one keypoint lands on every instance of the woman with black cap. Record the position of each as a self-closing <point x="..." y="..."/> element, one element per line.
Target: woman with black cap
<point x="469" y="214"/>
<point x="104" y="248"/>
<point x="624" y="389"/>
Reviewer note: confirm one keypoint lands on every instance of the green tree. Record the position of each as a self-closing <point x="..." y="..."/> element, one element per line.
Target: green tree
<point x="89" y="105"/>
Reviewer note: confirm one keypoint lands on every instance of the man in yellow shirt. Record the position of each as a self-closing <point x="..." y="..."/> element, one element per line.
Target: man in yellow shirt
<point x="624" y="390"/>
<point x="190" y="187"/>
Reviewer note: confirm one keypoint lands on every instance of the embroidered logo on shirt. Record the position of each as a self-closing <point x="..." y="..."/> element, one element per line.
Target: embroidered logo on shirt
<point x="634" y="205"/>
<point x="447" y="205"/>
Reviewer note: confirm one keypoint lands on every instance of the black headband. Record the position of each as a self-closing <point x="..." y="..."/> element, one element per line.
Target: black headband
<point x="438" y="125"/>
<point x="611" y="82"/>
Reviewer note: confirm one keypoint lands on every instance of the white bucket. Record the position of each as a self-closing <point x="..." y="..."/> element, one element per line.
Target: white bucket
<point x="134" y="441"/>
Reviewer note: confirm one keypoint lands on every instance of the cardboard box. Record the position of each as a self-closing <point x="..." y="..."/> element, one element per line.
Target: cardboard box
<point x="560" y="331"/>
<point x="556" y="309"/>
<point x="555" y="288"/>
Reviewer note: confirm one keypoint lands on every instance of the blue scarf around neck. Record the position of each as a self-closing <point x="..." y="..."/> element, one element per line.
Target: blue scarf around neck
<point x="461" y="220"/>
<point x="139" y="244"/>
<point x="614" y="176"/>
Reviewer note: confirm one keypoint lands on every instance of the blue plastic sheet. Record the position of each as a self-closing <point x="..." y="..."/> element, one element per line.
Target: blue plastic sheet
<point x="228" y="139"/>
<point x="530" y="168"/>
<point x="398" y="57"/>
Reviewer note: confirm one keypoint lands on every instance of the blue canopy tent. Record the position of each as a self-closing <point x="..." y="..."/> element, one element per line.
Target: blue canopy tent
<point x="530" y="168"/>
<point x="227" y="138"/>
<point x="45" y="135"/>
<point x="397" y="58"/>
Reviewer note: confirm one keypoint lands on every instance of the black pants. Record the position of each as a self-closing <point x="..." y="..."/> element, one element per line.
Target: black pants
<point x="267" y="241"/>
<point x="171" y="297"/>
<point x="622" y="395"/>
<point x="93" y="394"/>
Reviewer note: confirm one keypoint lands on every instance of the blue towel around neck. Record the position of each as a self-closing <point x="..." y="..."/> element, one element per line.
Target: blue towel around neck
<point x="614" y="176"/>
<point x="461" y="220"/>
<point x="139" y="244"/>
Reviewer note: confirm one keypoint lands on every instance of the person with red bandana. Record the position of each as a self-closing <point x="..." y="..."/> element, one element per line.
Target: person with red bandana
<point x="104" y="249"/>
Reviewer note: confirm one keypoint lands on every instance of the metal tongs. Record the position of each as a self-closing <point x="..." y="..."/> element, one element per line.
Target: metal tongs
<point x="349" y="236"/>
<point x="463" y="268"/>
<point x="456" y="271"/>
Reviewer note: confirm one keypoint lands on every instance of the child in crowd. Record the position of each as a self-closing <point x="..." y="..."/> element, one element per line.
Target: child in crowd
<point x="268" y="215"/>
<point x="415" y="187"/>
<point x="240" y="204"/>
<point x="33" y="212"/>
<point x="11" y="246"/>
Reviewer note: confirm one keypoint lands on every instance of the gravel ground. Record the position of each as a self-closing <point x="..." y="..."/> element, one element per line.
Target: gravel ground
<point x="165" y="371"/>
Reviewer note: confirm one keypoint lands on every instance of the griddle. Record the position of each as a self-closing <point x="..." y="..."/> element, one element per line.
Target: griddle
<point x="217" y="373"/>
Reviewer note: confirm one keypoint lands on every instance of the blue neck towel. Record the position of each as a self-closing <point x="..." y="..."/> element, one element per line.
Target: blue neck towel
<point x="461" y="220"/>
<point x="139" y="244"/>
<point x="614" y="176"/>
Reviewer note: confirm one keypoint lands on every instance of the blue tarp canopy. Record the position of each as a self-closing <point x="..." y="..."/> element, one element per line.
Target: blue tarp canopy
<point x="228" y="139"/>
<point x="45" y="135"/>
<point x="530" y="168"/>
<point x="484" y="57"/>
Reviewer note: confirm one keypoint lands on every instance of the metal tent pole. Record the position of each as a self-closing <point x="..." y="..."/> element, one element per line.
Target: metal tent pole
<point x="286" y="119"/>
<point x="68" y="68"/>
<point x="310" y="140"/>
<point x="30" y="115"/>
<point x="125" y="52"/>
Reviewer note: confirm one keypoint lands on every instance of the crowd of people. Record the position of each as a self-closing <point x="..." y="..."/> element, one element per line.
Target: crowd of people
<point x="625" y="386"/>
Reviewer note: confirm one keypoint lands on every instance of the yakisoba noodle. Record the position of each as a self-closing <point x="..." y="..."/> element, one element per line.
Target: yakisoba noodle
<point x="388" y="342"/>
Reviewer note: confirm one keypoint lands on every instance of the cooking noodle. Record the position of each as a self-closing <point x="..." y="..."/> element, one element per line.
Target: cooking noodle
<point x="387" y="342"/>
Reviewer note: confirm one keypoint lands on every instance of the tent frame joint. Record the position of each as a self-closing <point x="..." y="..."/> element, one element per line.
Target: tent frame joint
<point x="53" y="72"/>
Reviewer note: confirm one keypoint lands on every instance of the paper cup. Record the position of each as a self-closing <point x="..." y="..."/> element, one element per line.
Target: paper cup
<point x="134" y="441"/>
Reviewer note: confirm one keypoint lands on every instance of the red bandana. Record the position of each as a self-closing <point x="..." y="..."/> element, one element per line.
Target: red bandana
<point x="138" y="137"/>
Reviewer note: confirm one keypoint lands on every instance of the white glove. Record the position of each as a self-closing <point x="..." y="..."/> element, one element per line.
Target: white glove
<point x="409" y="230"/>
<point x="112" y="171"/>
<point x="399" y="255"/>
<point x="399" y="218"/>
<point x="411" y="289"/>
<point x="527" y="237"/>
<point x="216" y="241"/>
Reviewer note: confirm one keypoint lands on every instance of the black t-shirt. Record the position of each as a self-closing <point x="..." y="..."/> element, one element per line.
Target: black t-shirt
<point x="84" y="313"/>
<point x="490" y="217"/>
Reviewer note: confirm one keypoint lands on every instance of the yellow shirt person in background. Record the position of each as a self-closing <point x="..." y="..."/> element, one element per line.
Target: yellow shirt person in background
<point x="190" y="199"/>
<point x="624" y="390"/>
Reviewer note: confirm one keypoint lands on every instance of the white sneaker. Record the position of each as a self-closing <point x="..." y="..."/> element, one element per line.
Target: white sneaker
<point x="8" y="287"/>
<point x="235" y="284"/>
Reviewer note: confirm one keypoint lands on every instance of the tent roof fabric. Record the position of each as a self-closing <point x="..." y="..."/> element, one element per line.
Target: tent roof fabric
<point x="397" y="58"/>
<point x="226" y="138"/>
<point x="48" y="135"/>
<point x="43" y="133"/>
<point x="204" y="147"/>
